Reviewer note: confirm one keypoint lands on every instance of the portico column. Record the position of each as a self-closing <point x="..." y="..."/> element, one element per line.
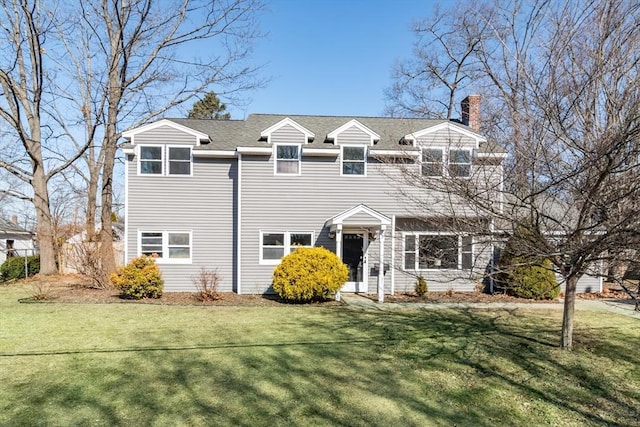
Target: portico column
<point x="381" y="264"/>
<point x="338" y="250"/>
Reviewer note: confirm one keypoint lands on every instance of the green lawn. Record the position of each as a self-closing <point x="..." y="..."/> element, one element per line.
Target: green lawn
<point x="126" y="364"/>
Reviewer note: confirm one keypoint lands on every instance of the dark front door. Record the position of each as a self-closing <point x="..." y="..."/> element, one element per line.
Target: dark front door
<point x="353" y="255"/>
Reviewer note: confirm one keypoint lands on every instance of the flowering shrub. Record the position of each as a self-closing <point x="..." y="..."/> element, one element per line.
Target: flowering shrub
<point x="139" y="279"/>
<point x="309" y="273"/>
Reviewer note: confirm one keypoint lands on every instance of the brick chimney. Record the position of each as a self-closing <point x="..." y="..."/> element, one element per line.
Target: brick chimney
<point x="14" y="219"/>
<point x="471" y="112"/>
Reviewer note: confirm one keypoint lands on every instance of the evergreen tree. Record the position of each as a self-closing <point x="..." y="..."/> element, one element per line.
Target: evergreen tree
<point x="209" y="107"/>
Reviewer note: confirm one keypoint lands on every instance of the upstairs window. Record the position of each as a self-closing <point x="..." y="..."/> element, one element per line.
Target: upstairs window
<point x="288" y="159"/>
<point x="275" y="245"/>
<point x="168" y="246"/>
<point x="179" y="160"/>
<point x="432" y="161"/>
<point x="354" y="160"/>
<point x="151" y="160"/>
<point x="460" y="163"/>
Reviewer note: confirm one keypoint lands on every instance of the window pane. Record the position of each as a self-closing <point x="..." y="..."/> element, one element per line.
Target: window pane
<point x="179" y="252"/>
<point x="460" y="170"/>
<point x="467" y="261"/>
<point x="302" y="239"/>
<point x="353" y="153"/>
<point x="287" y="166"/>
<point x="179" y="239"/>
<point x="151" y="153"/>
<point x="179" y="153"/>
<point x="438" y="252"/>
<point x="149" y="251"/>
<point x="351" y="168"/>
<point x="273" y="239"/>
<point x="409" y="261"/>
<point x="150" y="167"/>
<point x="432" y="169"/>
<point x="179" y="168"/>
<point x="431" y="155"/>
<point x="272" y="253"/>
<point x="467" y="244"/>
<point x="410" y="243"/>
<point x="460" y="156"/>
<point x="287" y="152"/>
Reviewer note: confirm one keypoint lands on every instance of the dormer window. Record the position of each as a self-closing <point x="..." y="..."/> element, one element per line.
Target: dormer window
<point x="442" y="162"/>
<point x="354" y="160"/>
<point x="460" y="163"/>
<point x="153" y="157"/>
<point x="432" y="161"/>
<point x="151" y="160"/>
<point x="288" y="159"/>
<point x="179" y="161"/>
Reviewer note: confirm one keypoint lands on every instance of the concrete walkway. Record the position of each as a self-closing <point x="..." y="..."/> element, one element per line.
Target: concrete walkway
<point x="607" y="305"/>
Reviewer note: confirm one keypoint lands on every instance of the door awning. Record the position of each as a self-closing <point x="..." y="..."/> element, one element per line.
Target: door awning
<point x="360" y="216"/>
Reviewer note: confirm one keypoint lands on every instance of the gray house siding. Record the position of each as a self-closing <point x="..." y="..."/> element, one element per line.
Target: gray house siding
<point x="288" y="134"/>
<point x="203" y="204"/>
<point x="165" y="135"/>
<point x="304" y="203"/>
<point x="353" y="135"/>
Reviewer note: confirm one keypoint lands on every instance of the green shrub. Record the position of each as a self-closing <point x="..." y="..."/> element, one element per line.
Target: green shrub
<point x="533" y="280"/>
<point x="13" y="268"/>
<point x="421" y="286"/>
<point x="139" y="279"/>
<point x="309" y="273"/>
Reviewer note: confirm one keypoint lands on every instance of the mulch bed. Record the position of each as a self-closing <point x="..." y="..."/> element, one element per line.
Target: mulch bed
<point x="75" y="289"/>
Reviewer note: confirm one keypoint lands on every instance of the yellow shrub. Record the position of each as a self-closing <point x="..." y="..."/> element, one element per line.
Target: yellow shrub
<point x="309" y="273"/>
<point x="139" y="279"/>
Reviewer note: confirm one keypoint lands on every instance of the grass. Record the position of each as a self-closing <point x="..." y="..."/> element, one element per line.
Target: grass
<point x="125" y="364"/>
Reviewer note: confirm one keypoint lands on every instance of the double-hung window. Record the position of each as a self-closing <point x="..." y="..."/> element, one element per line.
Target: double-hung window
<point x="459" y="163"/>
<point x="438" y="251"/>
<point x="153" y="158"/>
<point x="167" y="246"/>
<point x="432" y="161"/>
<point x="354" y="160"/>
<point x="288" y="159"/>
<point x="275" y="245"/>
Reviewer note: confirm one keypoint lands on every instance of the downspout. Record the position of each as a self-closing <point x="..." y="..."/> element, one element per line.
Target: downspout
<point x="392" y="273"/>
<point x="239" y="225"/>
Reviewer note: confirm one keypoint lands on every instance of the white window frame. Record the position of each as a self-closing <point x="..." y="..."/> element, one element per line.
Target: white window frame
<point x="286" y="244"/>
<point x="275" y="159"/>
<point x="416" y="263"/>
<point x="164" y="160"/>
<point x="140" y="159"/>
<point x="446" y="161"/>
<point x="165" y="246"/>
<point x="168" y="159"/>
<point x="363" y="161"/>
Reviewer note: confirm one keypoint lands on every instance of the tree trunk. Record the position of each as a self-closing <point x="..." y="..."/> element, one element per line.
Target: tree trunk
<point x="44" y="226"/>
<point x="106" y="230"/>
<point x="569" y="310"/>
<point x="92" y="203"/>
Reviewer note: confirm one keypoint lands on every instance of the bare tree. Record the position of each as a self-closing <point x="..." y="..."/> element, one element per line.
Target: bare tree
<point x="444" y="63"/>
<point x="130" y="63"/>
<point x="567" y="77"/>
<point x="23" y="81"/>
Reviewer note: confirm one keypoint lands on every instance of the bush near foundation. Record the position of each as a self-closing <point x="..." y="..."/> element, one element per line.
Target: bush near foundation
<point x="139" y="279"/>
<point x="420" y="286"/>
<point x="533" y="280"/>
<point x="13" y="268"/>
<point x="308" y="274"/>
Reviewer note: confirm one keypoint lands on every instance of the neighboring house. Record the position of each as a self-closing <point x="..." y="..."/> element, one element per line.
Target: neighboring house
<point x="237" y="195"/>
<point x="14" y="240"/>
<point x="76" y="249"/>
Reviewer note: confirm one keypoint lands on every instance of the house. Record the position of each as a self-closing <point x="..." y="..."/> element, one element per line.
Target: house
<point x="14" y="240"/>
<point x="236" y="195"/>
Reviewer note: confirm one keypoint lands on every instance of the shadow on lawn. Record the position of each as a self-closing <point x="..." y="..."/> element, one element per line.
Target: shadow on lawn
<point x="437" y="367"/>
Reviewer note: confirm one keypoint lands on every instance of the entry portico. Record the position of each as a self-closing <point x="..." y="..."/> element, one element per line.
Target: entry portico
<point x="354" y="230"/>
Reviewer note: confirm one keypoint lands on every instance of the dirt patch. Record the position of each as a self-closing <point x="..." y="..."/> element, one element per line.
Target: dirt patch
<point x="75" y="289"/>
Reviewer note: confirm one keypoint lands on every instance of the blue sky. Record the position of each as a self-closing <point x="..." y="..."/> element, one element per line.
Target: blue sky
<point x="331" y="57"/>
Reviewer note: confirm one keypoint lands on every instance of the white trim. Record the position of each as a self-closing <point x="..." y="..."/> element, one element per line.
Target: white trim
<point x="320" y="151"/>
<point x="286" y="244"/>
<point x="129" y="151"/>
<point x="397" y="153"/>
<point x="214" y="153"/>
<point x="165" y="245"/>
<point x="139" y="159"/>
<point x="168" y="160"/>
<point x="364" y="161"/>
<point x="393" y="255"/>
<point x="416" y="263"/>
<point x="255" y="150"/>
<point x="126" y="208"/>
<point x="448" y="126"/>
<point x="130" y="133"/>
<point x="239" y="222"/>
<point x="334" y="135"/>
<point x="275" y="159"/>
<point x="362" y="286"/>
<point x="492" y="155"/>
<point x="338" y="220"/>
<point x="284" y="122"/>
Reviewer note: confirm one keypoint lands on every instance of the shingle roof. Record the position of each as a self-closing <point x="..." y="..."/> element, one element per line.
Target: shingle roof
<point x="9" y="227"/>
<point x="230" y="134"/>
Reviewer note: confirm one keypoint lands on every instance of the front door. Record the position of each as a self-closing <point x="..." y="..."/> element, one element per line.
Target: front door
<point x="354" y="256"/>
